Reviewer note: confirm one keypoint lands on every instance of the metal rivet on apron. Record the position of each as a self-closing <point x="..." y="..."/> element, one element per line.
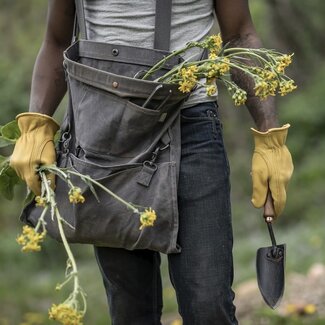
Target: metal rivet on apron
<point x="115" y="52"/>
<point x="115" y="84"/>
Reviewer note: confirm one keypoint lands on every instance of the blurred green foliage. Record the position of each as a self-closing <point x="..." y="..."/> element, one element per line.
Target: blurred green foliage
<point x="27" y="282"/>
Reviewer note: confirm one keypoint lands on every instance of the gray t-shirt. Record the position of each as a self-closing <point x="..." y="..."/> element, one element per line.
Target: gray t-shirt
<point x="132" y="23"/>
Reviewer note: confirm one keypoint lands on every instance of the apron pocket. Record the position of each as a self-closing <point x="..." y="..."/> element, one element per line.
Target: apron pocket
<point x="108" y="222"/>
<point x="111" y="125"/>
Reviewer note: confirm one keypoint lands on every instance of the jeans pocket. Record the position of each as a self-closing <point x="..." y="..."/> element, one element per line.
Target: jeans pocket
<point x="199" y="112"/>
<point x="215" y="122"/>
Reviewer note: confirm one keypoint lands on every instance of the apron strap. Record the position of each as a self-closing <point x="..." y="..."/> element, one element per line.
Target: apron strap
<point x="80" y="18"/>
<point x="162" y="23"/>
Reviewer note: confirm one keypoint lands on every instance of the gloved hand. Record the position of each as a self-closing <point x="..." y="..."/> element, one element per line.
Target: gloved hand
<point x="272" y="167"/>
<point x="35" y="147"/>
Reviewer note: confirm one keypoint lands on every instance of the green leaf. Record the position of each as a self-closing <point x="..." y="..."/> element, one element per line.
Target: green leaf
<point x="57" y="136"/>
<point x="29" y="198"/>
<point x="2" y="160"/>
<point x="4" y="164"/>
<point x="8" y="180"/>
<point x="93" y="191"/>
<point x="5" y="189"/>
<point x="10" y="131"/>
<point x="5" y="142"/>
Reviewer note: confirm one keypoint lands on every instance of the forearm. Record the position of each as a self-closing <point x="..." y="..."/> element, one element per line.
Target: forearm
<point x="264" y="111"/>
<point x="48" y="81"/>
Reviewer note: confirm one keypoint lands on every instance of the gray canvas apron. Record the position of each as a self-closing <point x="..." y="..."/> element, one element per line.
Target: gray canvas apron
<point x="125" y="133"/>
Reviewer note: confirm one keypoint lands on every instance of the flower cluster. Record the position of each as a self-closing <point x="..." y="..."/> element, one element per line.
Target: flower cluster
<point x="214" y="45"/>
<point x="147" y="218"/>
<point x="239" y="96"/>
<point x="65" y="314"/>
<point x="301" y="309"/>
<point x="266" y="69"/>
<point x="30" y="239"/>
<point x="282" y="62"/>
<point x="75" y="195"/>
<point x="286" y="87"/>
<point x="188" y="78"/>
<point x="41" y="201"/>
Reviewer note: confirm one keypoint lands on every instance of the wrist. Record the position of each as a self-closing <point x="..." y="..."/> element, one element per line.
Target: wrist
<point x="271" y="130"/>
<point x="272" y="138"/>
<point x="29" y="121"/>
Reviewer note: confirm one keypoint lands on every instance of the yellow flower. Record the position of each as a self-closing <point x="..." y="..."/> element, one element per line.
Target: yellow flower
<point x="30" y="239"/>
<point x="218" y="69"/>
<point x="310" y="309"/>
<point x="268" y="75"/>
<point x="212" y="55"/>
<point x="75" y="195"/>
<point x="211" y="89"/>
<point x="176" y="322"/>
<point x="189" y="72"/>
<point x="265" y="73"/>
<point x="188" y="77"/>
<point x="65" y="314"/>
<point x="185" y="86"/>
<point x="273" y="85"/>
<point x="261" y="89"/>
<point x="147" y="218"/>
<point x="301" y="309"/>
<point x="282" y="62"/>
<point x="224" y="66"/>
<point x="239" y="97"/>
<point x="214" y="42"/>
<point x="286" y="87"/>
<point x="40" y="201"/>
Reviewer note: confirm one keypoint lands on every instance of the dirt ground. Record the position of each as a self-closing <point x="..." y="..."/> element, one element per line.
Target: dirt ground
<point x="304" y="295"/>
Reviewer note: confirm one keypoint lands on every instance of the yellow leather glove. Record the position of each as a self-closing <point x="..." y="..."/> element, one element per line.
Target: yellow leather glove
<point x="35" y="147"/>
<point x="272" y="167"/>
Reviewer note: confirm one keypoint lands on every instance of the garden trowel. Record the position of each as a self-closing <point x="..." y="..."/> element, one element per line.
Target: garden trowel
<point x="270" y="263"/>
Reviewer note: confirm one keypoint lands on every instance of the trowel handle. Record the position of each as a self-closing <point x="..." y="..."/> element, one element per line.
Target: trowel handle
<point x="269" y="216"/>
<point x="269" y="208"/>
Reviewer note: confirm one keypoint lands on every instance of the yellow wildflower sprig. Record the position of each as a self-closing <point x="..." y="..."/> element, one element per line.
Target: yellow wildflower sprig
<point x="72" y="310"/>
<point x="264" y="66"/>
<point x="31" y="238"/>
<point x="66" y="313"/>
<point x="147" y="218"/>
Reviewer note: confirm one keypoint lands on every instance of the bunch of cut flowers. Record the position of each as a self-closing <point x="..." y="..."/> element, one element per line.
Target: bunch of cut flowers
<point x="265" y="67"/>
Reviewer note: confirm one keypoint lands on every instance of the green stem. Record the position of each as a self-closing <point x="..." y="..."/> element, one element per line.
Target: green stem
<point x="65" y="176"/>
<point x="251" y="50"/>
<point x="159" y="64"/>
<point x="130" y="206"/>
<point x="41" y="221"/>
<point x="250" y="54"/>
<point x="74" y="272"/>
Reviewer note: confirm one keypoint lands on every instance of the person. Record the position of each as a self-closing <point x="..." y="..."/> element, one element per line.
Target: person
<point x="202" y="274"/>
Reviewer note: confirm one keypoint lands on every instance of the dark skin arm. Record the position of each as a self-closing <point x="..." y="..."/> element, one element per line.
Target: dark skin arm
<point x="237" y="29"/>
<point x="48" y="81"/>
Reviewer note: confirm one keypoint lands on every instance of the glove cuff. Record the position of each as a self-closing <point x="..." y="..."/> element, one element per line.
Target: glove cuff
<point x="272" y="138"/>
<point x="30" y="121"/>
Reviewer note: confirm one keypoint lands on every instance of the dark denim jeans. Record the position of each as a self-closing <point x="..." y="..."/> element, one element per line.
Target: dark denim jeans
<point x="202" y="273"/>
